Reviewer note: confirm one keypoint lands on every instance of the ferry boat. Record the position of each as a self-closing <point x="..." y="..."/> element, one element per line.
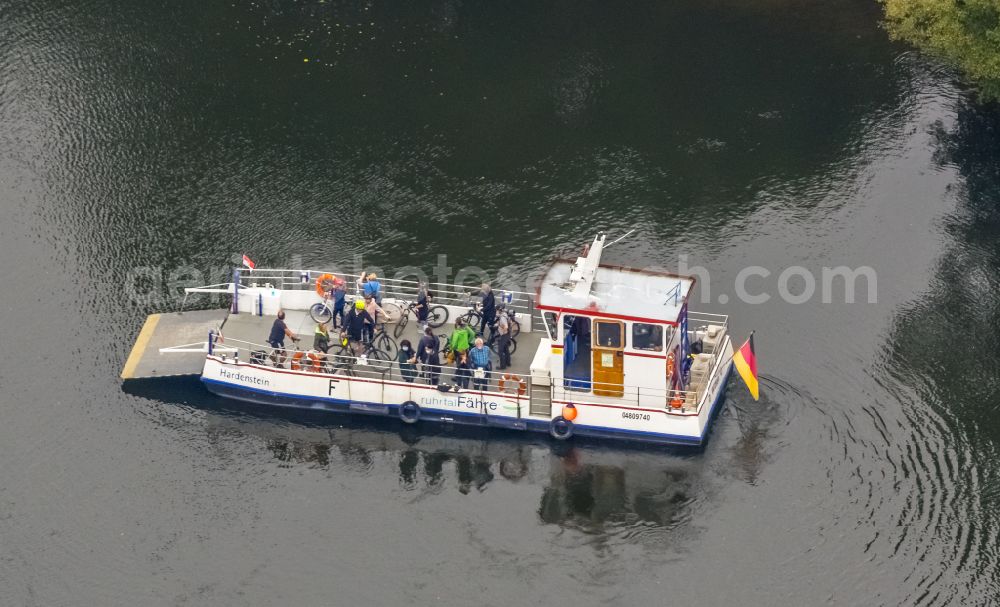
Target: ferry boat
<point x="603" y="351"/>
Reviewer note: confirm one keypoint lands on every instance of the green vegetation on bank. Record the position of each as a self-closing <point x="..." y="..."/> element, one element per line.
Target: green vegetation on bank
<point x="966" y="33"/>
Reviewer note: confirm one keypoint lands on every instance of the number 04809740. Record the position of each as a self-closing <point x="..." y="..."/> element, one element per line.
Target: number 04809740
<point x="634" y="415"/>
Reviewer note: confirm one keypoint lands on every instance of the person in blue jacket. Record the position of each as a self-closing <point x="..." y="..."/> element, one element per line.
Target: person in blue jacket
<point x="338" y="293"/>
<point x="370" y="286"/>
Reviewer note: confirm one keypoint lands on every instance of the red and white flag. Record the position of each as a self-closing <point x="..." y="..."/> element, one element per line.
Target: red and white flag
<point x="249" y="263"/>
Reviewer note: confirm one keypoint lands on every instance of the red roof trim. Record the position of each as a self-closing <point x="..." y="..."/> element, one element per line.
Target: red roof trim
<point x="599" y="315"/>
<point x="645" y="355"/>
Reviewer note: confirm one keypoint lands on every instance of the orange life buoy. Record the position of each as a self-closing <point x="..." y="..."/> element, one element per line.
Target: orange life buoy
<point x="522" y="386"/>
<point x="676" y="402"/>
<point x="670" y="365"/>
<point x="324" y="283"/>
<point x="315" y="364"/>
<point x="296" y="364"/>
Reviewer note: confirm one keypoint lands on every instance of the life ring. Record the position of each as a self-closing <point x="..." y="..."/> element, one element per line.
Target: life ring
<point x="522" y="386"/>
<point x="670" y="366"/>
<point x="561" y="428"/>
<point x="409" y="412"/>
<point x="315" y="362"/>
<point x="324" y="283"/>
<point x="677" y="402"/>
<point x="296" y="364"/>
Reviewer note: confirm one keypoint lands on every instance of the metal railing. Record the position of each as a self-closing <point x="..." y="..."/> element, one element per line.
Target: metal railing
<point x="458" y="295"/>
<point x="698" y="324"/>
<point x="349" y="365"/>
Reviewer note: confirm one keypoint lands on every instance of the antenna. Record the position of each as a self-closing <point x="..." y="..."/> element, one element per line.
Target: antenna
<point x="620" y="239"/>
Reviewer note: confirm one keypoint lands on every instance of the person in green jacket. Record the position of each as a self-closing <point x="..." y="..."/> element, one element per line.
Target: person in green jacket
<point x="461" y="338"/>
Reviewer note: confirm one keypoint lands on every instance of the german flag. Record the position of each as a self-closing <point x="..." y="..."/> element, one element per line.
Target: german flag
<point x="745" y="360"/>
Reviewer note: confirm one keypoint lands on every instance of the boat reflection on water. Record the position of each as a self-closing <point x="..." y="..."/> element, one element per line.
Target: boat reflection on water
<point x="590" y="494"/>
<point x="580" y="485"/>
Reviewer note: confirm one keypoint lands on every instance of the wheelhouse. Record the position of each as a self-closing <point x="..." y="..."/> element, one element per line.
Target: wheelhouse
<point x="615" y="332"/>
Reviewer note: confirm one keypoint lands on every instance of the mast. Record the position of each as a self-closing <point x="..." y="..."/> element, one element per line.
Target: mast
<point x="586" y="267"/>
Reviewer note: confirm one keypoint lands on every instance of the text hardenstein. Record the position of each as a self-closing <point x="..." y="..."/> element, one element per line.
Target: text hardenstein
<point x="240" y="377"/>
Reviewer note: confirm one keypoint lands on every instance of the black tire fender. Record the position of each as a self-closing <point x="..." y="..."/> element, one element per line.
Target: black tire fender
<point x="561" y="428"/>
<point x="409" y="412"/>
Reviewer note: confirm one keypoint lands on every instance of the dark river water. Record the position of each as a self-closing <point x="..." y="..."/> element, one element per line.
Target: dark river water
<point x="774" y="133"/>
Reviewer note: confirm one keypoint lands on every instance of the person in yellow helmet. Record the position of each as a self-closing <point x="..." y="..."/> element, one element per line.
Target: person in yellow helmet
<point x="354" y="325"/>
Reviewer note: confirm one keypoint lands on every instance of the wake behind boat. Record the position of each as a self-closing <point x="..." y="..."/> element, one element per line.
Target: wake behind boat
<point x="598" y="350"/>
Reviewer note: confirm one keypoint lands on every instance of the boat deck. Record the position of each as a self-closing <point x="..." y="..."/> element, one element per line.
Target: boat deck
<point x="255" y="329"/>
<point x="172" y="330"/>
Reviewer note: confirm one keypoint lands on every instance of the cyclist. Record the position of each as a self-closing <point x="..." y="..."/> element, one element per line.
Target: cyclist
<point x="279" y="330"/>
<point x="423" y="307"/>
<point x="354" y="326"/>
<point x="489" y="313"/>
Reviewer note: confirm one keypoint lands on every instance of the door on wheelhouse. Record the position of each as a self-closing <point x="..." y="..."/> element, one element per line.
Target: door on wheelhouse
<point x="576" y="353"/>
<point x="609" y="358"/>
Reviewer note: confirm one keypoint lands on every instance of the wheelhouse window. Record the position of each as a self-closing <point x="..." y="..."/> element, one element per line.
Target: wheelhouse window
<point x="549" y="318"/>
<point x="647" y="337"/>
<point x="608" y="334"/>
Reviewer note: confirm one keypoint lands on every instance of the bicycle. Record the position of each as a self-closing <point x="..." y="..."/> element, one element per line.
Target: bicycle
<point x="515" y="327"/>
<point x="383" y="342"/>
<point x="322" y="311"/>
<point x="474" y="318"/>
<point x="443" y="339"/>
<point x="393" y="312"/>
<point x="474" y="315"/>
<point x="491" y="343"/>
<point x="436" y="316"/>
<point x="345" y="358"/>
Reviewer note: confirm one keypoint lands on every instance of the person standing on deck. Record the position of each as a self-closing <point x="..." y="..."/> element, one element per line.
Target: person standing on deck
<point x="463" y="370"/>
<point x="489" y="313"/>
<point x="370" y="286"/>
<point x="321" y="338"/>
<point x="503" y="337"/>
<point x="423" y="307"/>
<point x="479" y="361"/>
<point x="430" y="363"/>
<point x="279" y="330"/>
<point x="374" y="311"/>
<point x="461" y="338"/>
<point x="354" y="326"/>
<point x="338" y="293"/>
<point x="407" y="361"/>
<point x="428" y="340"/>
